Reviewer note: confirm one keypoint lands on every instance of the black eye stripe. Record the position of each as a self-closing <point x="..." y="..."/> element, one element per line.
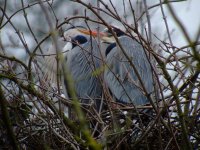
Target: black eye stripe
<point x="80" y="39"/>
<point x="117" y="31"/>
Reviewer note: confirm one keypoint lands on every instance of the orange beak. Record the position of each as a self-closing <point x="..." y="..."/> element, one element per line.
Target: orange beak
<point x="92" y="33"/>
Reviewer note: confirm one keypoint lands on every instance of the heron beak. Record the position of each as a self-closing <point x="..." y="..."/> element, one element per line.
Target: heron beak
<point x="92" y="33"/>
<point x="107" y="39"/>
<point x="103" y="35"/>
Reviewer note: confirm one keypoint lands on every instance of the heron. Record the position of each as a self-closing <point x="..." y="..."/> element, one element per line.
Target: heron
<point x="126" y="82"/>
<point x="129" y="72"/>
<point x="129" y="79"/>
<point x="81" y="58"/>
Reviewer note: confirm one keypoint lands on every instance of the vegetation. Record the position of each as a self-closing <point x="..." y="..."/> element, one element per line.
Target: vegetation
<point x="33" y="110"/>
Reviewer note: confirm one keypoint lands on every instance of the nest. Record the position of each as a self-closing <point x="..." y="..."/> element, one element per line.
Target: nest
<point x="118" y="127"/>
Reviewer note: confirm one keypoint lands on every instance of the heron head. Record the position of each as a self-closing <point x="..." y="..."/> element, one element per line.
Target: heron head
<point x="74" y="36"/>
<point x="80" y="30"/>
<point x="72" y="32"/>
<point x="80" y="35"/>
<point x="108" y="34"/>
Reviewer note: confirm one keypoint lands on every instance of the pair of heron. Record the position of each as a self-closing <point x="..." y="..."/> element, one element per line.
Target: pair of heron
<point x="124" y="64"/>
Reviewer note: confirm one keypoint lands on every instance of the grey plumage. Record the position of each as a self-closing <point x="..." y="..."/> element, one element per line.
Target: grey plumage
<point x="120" y="76"/>
<point x="82" y="61"/>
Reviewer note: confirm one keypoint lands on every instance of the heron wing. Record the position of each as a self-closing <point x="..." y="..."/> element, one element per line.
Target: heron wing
<point x="121" y="77"/>
<point x="82" y="61"/>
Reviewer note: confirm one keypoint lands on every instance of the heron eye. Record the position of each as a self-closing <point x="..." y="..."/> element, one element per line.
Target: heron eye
<point x="79" y="39"/>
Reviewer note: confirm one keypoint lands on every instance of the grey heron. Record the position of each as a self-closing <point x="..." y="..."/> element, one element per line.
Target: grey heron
<point x="81" y="58"/>
<point x="120" y="76"/>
